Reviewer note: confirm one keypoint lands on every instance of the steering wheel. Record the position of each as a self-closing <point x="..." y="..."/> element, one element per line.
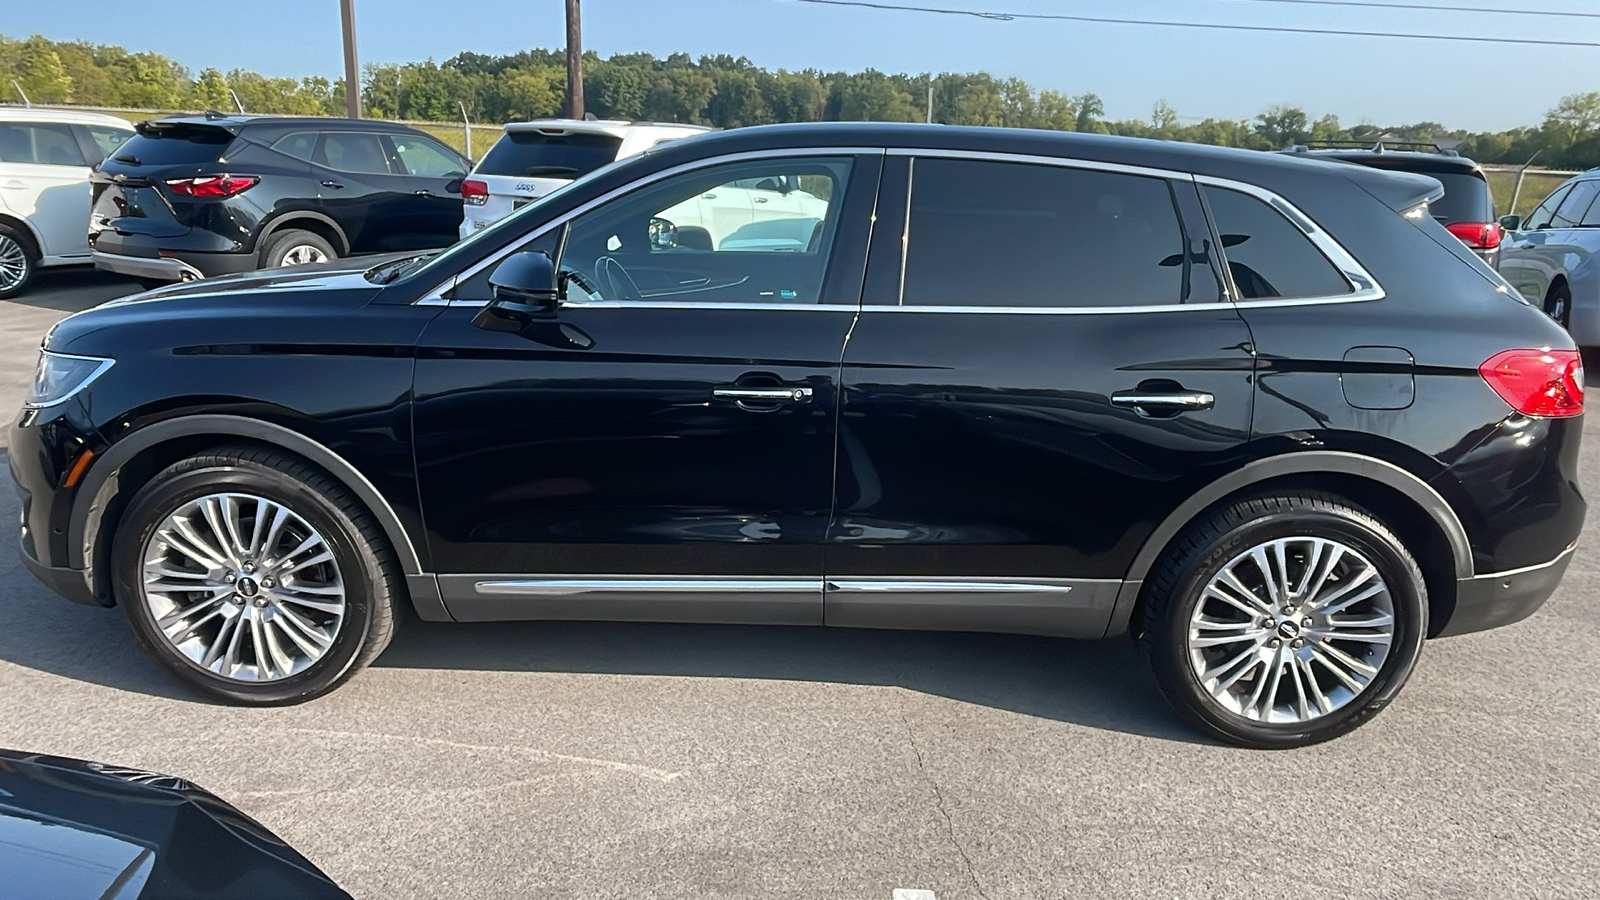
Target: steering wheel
<point x="615" y="282"/>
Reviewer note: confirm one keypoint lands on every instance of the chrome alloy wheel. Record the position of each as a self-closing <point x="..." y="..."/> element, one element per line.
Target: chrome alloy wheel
<point x="300" y="254"/>
<point x="243" y="587"/>
<point x="1291" y="630"/>
<point x="13" y="262"/>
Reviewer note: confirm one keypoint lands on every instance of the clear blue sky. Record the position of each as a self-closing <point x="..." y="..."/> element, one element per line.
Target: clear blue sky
<point x="1201" y="73"/>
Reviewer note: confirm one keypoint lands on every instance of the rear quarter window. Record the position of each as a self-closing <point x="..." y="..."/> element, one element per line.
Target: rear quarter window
<point x="526" y="154"/>
<point x="1269" y="256"/>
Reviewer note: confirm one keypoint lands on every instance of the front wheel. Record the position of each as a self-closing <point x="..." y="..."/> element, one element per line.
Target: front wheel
<point x="255" y="577"/>
<point x="1284" y="621"/>
<point x="1558" y="305"/>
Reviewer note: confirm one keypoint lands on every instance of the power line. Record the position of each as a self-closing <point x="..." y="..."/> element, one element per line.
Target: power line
<point x="1009" y="17"/>
<point x="1454" y="9"/>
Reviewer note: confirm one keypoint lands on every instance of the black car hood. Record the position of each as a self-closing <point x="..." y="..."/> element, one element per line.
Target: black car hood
<point x="71" y="828"/>
<point x="342" y="274"/>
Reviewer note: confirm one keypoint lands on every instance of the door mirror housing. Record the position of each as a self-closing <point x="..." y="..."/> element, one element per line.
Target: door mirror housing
<point x="1511" y="223"/>
<point x="525" y="290"/>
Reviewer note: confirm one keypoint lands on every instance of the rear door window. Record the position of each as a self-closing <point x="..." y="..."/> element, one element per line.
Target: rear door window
<point x="526" y="154"/>
<point x="1008" y="234"/>
<point x="1268" y="255"/>
<point x="1576" y="206"/>
<point x="300" y="145"/>
<point x="1591" y="218"/>
<point x="354" y="151"/>
<point x="45" y="143"/>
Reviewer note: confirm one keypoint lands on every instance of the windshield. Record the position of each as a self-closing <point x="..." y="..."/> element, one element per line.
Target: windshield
<point x="564" y="154"/>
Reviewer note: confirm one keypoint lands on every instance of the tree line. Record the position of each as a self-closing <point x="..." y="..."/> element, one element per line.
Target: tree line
<point x="722" y="91"/>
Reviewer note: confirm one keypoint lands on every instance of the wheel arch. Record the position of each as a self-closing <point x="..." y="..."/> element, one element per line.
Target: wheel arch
<point x="1394" y="494"/>
<point x="308" y="220"/>
<point x="146" y="451"/>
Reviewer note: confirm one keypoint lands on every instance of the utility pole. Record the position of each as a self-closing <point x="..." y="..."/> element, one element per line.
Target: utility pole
<point x="574" y="62"/>
<point x="352" y="71"/>
<point x="930" y="101"/>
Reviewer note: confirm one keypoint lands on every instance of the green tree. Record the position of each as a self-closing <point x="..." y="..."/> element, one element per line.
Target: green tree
<point x="871" y="97"/>
<point x="1281" y="126"/>
<point x="40" y="72"/>
<point x="1090" y="108"/>
<point x="210" y="91"/>
<point x="533" y="93"/>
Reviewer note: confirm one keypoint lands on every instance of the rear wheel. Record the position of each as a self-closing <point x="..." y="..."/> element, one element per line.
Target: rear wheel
<point x="295" y="247"/>
<point x="1284" y="621"/>
<point x="1558" y="304"/>
<point x="18" y="261"/>
<point x="255" y="577"/>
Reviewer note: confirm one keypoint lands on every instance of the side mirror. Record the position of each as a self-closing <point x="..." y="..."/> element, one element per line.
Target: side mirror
<point x="1511" y="223"/>
<point x="453" y="186"/>
<point x="525" y="290"/>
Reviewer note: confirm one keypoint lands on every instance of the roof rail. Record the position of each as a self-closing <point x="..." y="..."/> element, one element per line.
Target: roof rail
<point x="1376" y="146"/>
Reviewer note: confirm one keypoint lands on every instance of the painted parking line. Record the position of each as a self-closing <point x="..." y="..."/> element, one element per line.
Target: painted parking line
<point x="912" y="894"/>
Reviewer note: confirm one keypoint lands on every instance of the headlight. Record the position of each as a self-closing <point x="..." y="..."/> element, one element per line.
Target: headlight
<point x="59" y="376"/>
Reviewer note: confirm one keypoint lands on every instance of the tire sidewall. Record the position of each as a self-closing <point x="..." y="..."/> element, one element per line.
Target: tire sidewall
<point x="30" y="259"/>
<point x="357" y="567"/>
<point x="281" y="243"/>
<point x="1406" y="590"/>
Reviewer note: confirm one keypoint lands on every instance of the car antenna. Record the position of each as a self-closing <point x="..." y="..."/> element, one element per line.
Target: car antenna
<point x="213" y="114"/>
<point x="590" y="117"/>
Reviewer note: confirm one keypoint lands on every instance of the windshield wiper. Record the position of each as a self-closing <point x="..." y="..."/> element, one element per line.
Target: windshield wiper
<point x="389" y="271"/>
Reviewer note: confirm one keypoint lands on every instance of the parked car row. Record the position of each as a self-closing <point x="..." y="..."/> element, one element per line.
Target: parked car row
<point x="188" y="197"/>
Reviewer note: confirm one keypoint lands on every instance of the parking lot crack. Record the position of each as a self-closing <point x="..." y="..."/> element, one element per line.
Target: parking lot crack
<point x="648" y="772"/>
<point x="938" y="797"/>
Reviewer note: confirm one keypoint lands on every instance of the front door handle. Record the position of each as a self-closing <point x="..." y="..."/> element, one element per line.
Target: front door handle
<point x="423" y="193"/>
<point x="1147" y="403"/>
<point x="332" y="184"/>
<point x="797" y="394"/>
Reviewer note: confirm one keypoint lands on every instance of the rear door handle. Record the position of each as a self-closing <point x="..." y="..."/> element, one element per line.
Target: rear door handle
<point x="797" y="394"/>
<point x="423" y="193"/>
<point x="1147" y="402"/>
<point x="332" y="184"/>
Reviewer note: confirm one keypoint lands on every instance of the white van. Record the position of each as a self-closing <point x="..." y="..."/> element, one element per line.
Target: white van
<point x="45" y="159"/>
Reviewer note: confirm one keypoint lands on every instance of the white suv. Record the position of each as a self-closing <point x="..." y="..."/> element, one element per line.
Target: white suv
<point x="532" y="159"/>
<point x="45" y="159"/>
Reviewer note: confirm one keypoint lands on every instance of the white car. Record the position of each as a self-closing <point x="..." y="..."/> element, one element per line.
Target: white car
<point x="771" y="213"/>
<point x="532" y="159"/>
<point x="45" y="159"/>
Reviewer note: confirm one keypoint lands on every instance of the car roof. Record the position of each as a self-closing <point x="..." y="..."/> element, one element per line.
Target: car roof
<point x="237" y="121"/>
<point x="65" y="116"/>
<point x="1272" y="170"/>
<point x="616" y="127"/>
<point x="1402" y="160"/>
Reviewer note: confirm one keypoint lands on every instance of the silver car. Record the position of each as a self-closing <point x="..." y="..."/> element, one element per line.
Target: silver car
<point x="1553" y="256"/>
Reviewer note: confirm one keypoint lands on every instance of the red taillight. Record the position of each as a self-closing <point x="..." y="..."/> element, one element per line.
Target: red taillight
<point x="212" y="185"/>
<point x="474" y="192"/>
<point x="1478" y="235"/>
<point x="1537" y="382"/>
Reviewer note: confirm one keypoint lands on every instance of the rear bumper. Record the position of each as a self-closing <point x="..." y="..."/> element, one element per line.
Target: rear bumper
<point x="161" y="268"/>
<point x="142" y="256"/>
<point x="1501" y="598"/>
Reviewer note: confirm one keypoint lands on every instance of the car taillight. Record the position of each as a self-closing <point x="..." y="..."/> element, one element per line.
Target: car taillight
<point x="1478" y="235"/>
<point x="1537" y="382"/>
<point x="474" y="193"/>
<point x="212" y="185"/>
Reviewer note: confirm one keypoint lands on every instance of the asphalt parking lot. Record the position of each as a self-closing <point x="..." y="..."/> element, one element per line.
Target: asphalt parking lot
<point x="617" y="760"/>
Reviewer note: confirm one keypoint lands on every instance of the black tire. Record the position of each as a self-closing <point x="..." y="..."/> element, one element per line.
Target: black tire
<point x="1179" y="581"/>
<point x="16" y="249"/>
<point x="150" y="284"/>
<point x="1558" y="304"/>
<point x="283" y="243"/>
<point x="373" y="583"/>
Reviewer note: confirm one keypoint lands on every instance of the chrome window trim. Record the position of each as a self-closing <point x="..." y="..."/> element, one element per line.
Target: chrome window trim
<point x="435" y="296"/>
<point x="1364" y="286"/>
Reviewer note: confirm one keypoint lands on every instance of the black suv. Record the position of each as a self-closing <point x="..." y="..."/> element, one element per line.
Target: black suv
<point x="1467" y="207"/>
<point x="950" y="378"/>
<point x="196" y="196"/>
